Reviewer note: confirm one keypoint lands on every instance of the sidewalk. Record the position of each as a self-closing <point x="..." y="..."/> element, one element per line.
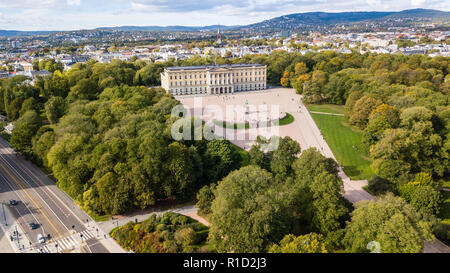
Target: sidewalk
<point x="20" y="244"/>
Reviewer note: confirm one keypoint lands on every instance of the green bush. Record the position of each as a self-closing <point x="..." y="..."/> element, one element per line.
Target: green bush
<point x="170" y="233"/>
<point x="160" y="228"/>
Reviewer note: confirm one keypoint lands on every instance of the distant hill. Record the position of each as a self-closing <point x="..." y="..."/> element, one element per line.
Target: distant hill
<point x="12" y="33"/>
<point x="166" y="28"/>
<point x="309" y="19"/>
<point x="306" y="20"/>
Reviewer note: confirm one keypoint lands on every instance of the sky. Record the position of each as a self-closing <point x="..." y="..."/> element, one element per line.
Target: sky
<point x="88" y="14"/>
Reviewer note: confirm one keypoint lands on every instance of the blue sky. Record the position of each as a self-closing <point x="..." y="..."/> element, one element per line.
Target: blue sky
<point x="82" y="14"/>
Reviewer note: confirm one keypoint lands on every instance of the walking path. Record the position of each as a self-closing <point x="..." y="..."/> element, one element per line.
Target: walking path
<point x="188" y="210"/>
<point x="325" y="113"/>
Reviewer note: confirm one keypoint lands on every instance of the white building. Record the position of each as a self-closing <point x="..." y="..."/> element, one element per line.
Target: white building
<point x="213" y="79"/>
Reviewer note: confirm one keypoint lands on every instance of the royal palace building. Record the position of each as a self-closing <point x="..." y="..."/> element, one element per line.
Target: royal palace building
<point x="214" y="79"/>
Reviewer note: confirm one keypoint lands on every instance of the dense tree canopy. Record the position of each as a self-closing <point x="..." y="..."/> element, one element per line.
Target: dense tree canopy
<point x="246" y="215"/>
<point x="309" y="243"/>
<point x="391" y="222"/>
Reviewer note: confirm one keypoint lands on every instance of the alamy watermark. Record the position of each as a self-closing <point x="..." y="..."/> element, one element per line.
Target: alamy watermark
<point x="236" y="122"/>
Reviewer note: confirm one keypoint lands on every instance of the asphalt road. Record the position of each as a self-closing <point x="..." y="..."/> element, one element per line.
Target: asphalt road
<point x="43" y="203"/>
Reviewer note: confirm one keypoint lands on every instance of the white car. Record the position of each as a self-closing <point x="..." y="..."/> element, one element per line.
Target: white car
<point x="40" y="238"/>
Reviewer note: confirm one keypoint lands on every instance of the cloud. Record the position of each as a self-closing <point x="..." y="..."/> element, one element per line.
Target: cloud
<point x="73" y="2"/>
<point x="76" y="14"/>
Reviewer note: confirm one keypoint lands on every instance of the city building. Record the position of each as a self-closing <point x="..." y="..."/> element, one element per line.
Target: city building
<point x="214" y="79"/>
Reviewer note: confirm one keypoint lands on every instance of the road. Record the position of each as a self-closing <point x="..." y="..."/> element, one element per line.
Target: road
<point x="43" y="203"/>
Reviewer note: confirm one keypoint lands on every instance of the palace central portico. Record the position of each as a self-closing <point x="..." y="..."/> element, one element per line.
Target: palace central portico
<point x="213" y="79"/>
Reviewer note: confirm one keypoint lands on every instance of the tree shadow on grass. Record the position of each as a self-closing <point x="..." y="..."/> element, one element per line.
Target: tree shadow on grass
<point x="351" y="171"/>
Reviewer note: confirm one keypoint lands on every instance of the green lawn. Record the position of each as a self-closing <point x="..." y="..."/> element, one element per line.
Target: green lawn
<point x="345" y="144"/>
<point x="286" y="120"/>
<point x="326" y="108"/>
<point x="444" y="213"/>
<point x="283" y="121"/>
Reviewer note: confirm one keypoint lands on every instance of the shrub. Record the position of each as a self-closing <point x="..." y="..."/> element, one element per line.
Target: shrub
<point x="185" y="236"/>
<point x="426" y="200"/>
<point x="160" y="228"/>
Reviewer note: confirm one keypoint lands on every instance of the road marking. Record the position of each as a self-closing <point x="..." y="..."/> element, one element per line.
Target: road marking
<point x="43" y="185"/>
<point x="15" y="170"/>
<point x="32" y="200"/>
<point x="87" y="234"/>
<point x="21" y="217"/>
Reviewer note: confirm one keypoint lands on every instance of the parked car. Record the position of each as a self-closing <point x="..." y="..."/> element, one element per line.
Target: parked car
<point x="13" y="202"/>
<point x="33" y="225"/>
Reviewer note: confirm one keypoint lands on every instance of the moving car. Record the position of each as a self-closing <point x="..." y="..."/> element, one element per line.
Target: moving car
<point x="40" y="238"/>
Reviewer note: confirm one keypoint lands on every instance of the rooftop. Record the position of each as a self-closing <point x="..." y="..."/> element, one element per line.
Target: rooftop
<point x="195" y="67"/>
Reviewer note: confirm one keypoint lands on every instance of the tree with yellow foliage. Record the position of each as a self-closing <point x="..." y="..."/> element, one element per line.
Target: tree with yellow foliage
<point x="309" y="243"/>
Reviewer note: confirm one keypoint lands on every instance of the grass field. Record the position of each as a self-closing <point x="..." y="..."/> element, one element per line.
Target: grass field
<point x="326" y="108"/>
<point x="344" y="142"/>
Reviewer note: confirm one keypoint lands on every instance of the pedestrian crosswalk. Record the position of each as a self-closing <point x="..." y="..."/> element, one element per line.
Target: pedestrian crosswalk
<point x="66" y="243"/>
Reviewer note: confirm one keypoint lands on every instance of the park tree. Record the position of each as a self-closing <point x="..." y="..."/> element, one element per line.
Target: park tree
<point x="417" y="145"/>
<point x="350" y="102"/>
<point x="426" y="200"/>
<point x="221" y="157"/>
<point x="43" y="144"/>
<point x="283" y="157"/>
<point x="391" y="114"/>
<point x="13" y="108"/>
<point x="24" y="130"/>
<point x="85" y="89"/>
<point x="185" y="236"/>
<point x="205" y="197"/>
<point x="54" y="109"/>
<point x="420" y="180"/>
<point x="362" y="109"/>
<point x="374" y="131"/>
<point x="181" y="172"/>
<point x="309" y="243"/>
<point x="315" y="194"/>
<point x="300" y="69"/>
<point x="389" y="221"/>
<point x="285" y="79"/>
<point x="300" y="82"/>
<point x="246" y="213"/>
<point x="29" y="104"/>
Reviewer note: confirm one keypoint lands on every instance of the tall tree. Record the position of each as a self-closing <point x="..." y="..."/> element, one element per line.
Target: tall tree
<point x="246" y="214"/>
<point x="389" y="221"/>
